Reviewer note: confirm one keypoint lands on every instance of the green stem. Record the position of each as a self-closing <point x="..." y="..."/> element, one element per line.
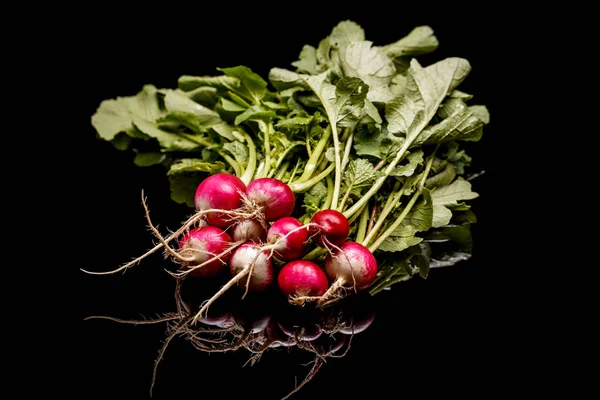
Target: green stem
<point x="283" y="156"/>
<point x="356" y="215"/>
<point x="313" y="161"/>
<point x="327" y="202"/>
<point x="406" y="210"/>
<point x="338" y="166"/>
<point x="293" y="174"/>
<point x="379" y="182"/>
<point x="234" y="164"/>
<point x="315" y="253"/>
<point x="266" y="129"/>
<point x="282" y="170"/>
<point x="347" y="149"/>
<point x="259" y="170"/>
<point x="390" y="204"/>
<point x="251" y="167"/>
<point x="298" y="187"/>
<point x="362" y="225"/>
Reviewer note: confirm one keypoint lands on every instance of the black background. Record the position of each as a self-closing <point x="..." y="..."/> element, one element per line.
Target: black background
<point x="452" y="334"/>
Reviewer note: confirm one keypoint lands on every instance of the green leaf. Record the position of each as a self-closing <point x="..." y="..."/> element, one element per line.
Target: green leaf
<point x="168" y="141"/>
<point x="255" y="113"/>
<point x="223" y="82"/>
<point x="177" y="102"/>
<point x="183" y="187"/>
<point x="425" y="89"/>
<point x="451" y="106"/>
<point x="420" y="216"/>
<point x="283" y="79"/>
<point x="345" y="33"/>
<point x="401" y="239"/>
<point x="372" y="66"/>
<point x="294" y="125"/>
<point x="225" y="130"/>
<point x="445" y="197"/>
<point x="413" y="160"/>
<point x="359" y="174"/>
<point x="308" y="61"/>
<point x="349" y="100"/>
<point x="196" y="165"/>
<point x="481" y="112"/>
<point x="117" y="115"/>
<point x="420" y="40"/>
<point x="367" y="140"/>
<point x="449" y="195"/>
<point x="252" y="86"/>
<point x="314" y="198"/>
<point x="146" y="159"/>
<point x="205" y="95"/>
<point x="238" y="150"/>
<point x="461" y="126"/>
<point x="443" y="178"/>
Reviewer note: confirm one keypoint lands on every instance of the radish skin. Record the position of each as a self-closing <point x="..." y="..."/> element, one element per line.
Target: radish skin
<point x="288" y="238"/>
<point x="274" y="197"/>
<point x="219" y="191"/>
<point x="200" y="245"/>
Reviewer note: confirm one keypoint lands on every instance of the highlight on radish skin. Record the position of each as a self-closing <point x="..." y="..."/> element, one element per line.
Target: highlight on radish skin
<point x="274" y="197"/>
<point x="262" y="273"/>
<point x="203" y="244"/>
<point x="289" y="238"/>
<point x="329" y="227"/>
<point x="219" y="191"/>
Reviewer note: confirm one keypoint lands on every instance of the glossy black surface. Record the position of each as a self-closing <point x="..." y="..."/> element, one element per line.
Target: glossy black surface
<point x="447" y="335"/>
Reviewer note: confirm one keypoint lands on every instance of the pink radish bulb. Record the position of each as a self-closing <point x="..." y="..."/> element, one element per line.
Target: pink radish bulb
<point x="203" y="244"/>
<point x="249" y="230"/>
<point x="288" y="246"/>
<point x="329" y="227"/>
<point x="262" y="273"/>
<point x="219" y="191"/>
<point x="302" y="278"/>
<point x="274" y="197"/>
<point x="352" y="265"/>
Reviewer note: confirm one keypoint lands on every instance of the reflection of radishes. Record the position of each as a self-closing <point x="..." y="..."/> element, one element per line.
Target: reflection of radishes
<point x="200" y="245"/>
<point x="357" y="322"/>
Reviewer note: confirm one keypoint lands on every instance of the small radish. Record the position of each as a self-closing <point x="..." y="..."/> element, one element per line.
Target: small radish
<point x="202" y="245"/>
<point x="249" y="230"/>
<point x="350" y="266"/>
<point x="274" y="197"/>
<point x="262" y="273"/>
<point x="302" y="278"/>
<point x="219" y="191"/>
<point x="329" y="228"/>
<point x="289" y="238"/>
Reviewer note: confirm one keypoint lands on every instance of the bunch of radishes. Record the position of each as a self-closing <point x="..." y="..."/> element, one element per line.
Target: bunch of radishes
<point x="250" y="230"/>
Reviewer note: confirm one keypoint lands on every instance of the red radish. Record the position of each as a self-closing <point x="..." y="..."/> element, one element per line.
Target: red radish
<point x="219" y="191"/>
<point x="302" y="278"/>
<point x="353" y="265"/>
<point x="274" y="197"/>
<point x="288" y="237"/>
<point x="249" y="230"/>
<point x="203" y="244"/>
<point x="262" y="270"/>
<point x="350" y="266"/>
<point x="329" y="227"/>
